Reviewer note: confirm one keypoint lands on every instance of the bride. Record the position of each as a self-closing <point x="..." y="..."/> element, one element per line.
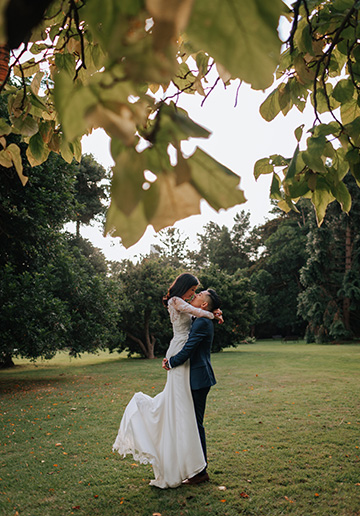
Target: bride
<point x="162" y="430"/>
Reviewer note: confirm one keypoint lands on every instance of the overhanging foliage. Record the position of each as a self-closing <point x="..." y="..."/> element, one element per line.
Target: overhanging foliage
<point x="91" y="64"/>
<point x="320" y="64"/>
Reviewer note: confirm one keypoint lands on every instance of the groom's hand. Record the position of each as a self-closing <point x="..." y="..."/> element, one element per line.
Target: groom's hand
<point x="218" y="316"/>
<point x="165" y="364"/>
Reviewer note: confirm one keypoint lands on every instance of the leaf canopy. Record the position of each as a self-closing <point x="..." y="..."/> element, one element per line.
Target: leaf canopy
<point x="321" y="62"/>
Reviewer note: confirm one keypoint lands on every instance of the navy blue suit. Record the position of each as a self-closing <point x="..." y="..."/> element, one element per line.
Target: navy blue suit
<point x="198" y="348"/>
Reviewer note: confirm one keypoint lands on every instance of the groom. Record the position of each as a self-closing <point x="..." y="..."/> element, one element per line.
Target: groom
<point x="198" y="348"/>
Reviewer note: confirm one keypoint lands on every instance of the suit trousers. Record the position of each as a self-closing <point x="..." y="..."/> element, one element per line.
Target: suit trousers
<point x="199" y="397"/>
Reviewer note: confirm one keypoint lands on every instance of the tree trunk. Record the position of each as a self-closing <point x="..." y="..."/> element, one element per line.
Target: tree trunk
<point x="78" y="229"/>
<point x="139" y="342"/>
<point x="348" y="260"/>
<point x="150" y="339"/>
<point x="6" y="361"/>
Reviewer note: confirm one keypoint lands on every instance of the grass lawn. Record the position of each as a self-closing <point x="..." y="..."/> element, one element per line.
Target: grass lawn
<point x="283" y="433"/>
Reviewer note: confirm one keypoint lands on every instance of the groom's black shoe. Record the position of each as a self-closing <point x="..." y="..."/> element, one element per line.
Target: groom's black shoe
<point x="197" y="479"/>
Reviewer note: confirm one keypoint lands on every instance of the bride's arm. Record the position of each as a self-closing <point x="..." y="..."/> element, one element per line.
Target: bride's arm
<point x="182" y="306"/>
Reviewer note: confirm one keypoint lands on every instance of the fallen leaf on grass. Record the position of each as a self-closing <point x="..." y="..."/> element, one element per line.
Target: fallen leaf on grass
<point x="288" y="499"/>
<point x="222" y="488"/>
<point x="76" y="507"/>
<point x="244" y="495"/>
<point x="156" y="514"/>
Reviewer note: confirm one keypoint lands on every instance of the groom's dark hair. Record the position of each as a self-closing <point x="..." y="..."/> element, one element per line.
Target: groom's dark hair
<point x="214" y="300"/>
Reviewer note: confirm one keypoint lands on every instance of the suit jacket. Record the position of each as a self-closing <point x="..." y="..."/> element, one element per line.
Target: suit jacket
<point x="198" y="348"/>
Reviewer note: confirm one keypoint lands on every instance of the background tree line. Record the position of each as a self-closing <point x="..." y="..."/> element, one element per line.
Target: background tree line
<point x="287" y="277"/>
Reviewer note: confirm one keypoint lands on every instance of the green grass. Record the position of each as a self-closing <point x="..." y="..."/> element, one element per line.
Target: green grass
<point x="283" y="432"/>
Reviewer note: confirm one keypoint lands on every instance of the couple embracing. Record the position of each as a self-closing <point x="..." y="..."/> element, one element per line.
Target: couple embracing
<point x="167" y="431"/>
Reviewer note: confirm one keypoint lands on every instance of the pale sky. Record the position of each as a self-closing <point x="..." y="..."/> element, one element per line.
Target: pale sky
<point x="239" y="138"/>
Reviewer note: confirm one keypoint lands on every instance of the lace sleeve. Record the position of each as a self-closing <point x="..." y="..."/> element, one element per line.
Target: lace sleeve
<point x="182" y="306"/>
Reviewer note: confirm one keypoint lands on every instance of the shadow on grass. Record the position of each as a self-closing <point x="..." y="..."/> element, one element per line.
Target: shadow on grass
<point x="15" y="386"/>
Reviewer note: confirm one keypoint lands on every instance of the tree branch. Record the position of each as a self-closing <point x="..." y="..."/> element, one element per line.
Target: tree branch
<point x="211" y="89"/>
<point x="325" y="59"/>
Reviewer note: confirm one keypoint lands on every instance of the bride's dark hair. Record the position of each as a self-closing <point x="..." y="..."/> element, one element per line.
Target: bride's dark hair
<point x="181" y="285"/>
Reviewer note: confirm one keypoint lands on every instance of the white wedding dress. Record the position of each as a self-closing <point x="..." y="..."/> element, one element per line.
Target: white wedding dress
<point x="162" y="430"/>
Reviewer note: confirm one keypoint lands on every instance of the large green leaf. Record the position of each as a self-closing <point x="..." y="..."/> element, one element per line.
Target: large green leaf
<point x="314" y="155"/>
<point x="37" y="152"/>
<point x="323" y="101"/>
<point x="66" y="150"/>
<point x="298" y="132"/>
<point x="128" y="178"/>
<point x="179" y="124"/>
<point x="166" y="201"/>
<point x="4" y="128"/>
<point x="241" y="35"/>
<point x="117" y="120"/>
<point x="342" y="195"/>
<point x="275" y="192"/>
<point x="349" y="111"/>
<point x="66" y="62"/>
<point x="343" y="91"/>
<point x="263" y="166"/>
<point x="297" y="188"/>
<point x="14" y="151"/>
<point x="26" y="126"/>
<point x="326" y="129"/>
<point x="293" y="167"/>
<point x="218" y="185"/>
<point x="72" y="103"/>
<point x="184" y="79"/>
<point x="107" y="19"/>
<point x="355" y="170"/>
<point x="321" y="198"/>
<point x="353" y="130"/>
<point x="130" y="228"/>
<point x="303" y="37"/>
<point x="5" y="159"/>
<point x="175" y="201"/>
<point x="270" y="108"/>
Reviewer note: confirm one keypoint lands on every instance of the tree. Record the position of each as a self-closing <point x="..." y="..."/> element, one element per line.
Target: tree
<point x="56" y="304"/>
<point x="90" y="191"/>
<point x="172" y="247"/>
<point x="237" y="304"/>
<point x="142" y="317"/>
<point x="320" y="63"/>
<point x="121" y="66"/>
<point x="54" y="292"/>
<point x="91" y="301"/>
<point x="275" y="276"/>
<point x="226" y="249"/>
<point x="330" y="301"/>
<point x="32" y="216"/>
